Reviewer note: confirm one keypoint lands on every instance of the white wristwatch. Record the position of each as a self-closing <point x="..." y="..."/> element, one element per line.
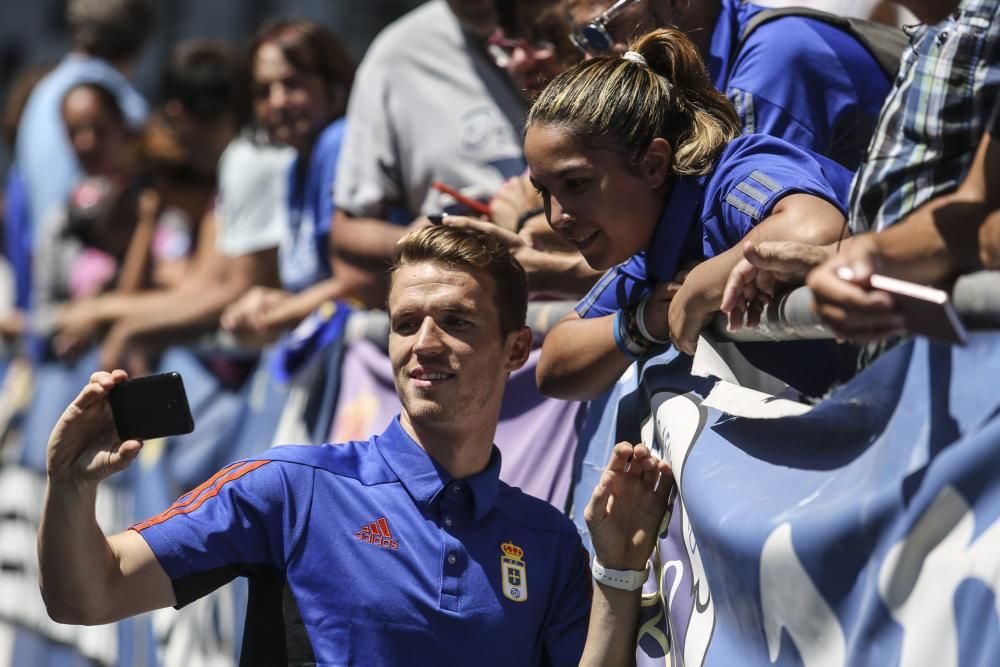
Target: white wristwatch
<point x="626" y="580"/>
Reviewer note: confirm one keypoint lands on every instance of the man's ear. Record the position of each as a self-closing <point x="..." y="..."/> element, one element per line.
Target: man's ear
<point x="655" y="164"/>
<point x="519" y="346"/>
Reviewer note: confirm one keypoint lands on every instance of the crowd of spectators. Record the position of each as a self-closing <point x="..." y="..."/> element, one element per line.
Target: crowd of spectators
<point x="660" y="163"/>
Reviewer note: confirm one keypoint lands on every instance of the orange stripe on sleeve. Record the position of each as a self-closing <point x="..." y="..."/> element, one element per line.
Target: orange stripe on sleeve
<point x="198" y="496"/>
<point x="191" y="495"/>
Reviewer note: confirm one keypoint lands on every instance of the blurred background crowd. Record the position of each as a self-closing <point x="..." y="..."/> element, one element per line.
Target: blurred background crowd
<point x="216" y="189"/>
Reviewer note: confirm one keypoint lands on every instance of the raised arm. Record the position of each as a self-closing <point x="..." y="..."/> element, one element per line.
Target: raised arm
<point x="85" y="577"/>
<point x="624" y="516"/>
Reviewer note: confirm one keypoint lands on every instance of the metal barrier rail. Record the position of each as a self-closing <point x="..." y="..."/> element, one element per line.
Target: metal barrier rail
<point x="976" y="298"/>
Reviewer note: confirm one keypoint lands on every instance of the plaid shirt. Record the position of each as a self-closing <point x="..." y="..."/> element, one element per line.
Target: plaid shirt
<point x="933" y="119"/>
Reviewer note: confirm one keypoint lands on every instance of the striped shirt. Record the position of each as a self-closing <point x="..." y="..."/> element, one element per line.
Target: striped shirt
<point x="933" y="119"/>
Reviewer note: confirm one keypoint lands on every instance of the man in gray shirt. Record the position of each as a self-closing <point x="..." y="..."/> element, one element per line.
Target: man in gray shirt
<point x="428" y="104"/>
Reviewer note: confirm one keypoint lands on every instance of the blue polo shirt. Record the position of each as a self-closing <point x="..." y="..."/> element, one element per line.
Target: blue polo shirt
<point x="369" y="553"/>
<point x="707" y="215"/>
<point x="799" y="79"/>
<point x="303" y="255"/>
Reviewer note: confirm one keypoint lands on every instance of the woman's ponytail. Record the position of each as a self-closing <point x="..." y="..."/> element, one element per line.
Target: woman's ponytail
<point x="660" y="90"/>
<point x="708" y="119"/>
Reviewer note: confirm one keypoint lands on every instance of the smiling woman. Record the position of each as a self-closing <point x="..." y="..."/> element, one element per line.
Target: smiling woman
<point x="604" y="138"/>
<point x="641" y="166"/>
<point x="301" y="81"/>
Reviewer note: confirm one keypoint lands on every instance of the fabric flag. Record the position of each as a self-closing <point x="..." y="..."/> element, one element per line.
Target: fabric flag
<point x="864" y="530"/>
<point x="320" y="328"/>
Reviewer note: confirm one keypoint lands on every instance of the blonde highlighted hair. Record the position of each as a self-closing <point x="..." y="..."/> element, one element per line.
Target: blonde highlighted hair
<point x="467" y="249"/>
<point x="625" y="103"/>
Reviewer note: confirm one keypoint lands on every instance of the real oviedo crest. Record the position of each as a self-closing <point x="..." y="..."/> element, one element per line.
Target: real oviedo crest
<point x="513" y="574"/>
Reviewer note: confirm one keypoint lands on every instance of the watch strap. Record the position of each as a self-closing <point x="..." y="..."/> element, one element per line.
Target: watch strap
<point x="626" y="580"/>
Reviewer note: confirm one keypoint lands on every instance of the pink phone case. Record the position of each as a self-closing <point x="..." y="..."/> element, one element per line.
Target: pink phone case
<point x="927" y="311"/>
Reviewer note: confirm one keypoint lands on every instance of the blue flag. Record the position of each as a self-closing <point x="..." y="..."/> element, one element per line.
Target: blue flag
<point x="860" y="531"/>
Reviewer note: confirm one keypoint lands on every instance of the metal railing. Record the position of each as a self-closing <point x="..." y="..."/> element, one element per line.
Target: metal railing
<point x="976" y="298"/>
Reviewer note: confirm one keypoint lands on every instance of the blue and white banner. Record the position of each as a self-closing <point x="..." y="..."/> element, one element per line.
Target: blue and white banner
<point x="864" y="530"/>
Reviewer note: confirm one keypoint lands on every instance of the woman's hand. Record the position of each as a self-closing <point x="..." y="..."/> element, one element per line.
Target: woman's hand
<point x="688" y="316"/>
<point x="537" y="233"/>
<point x="656" y="313"/>
<point x="627" y="507"/>
<point x="514" y="197"/>
<point x="541" y="268"/>
<point x="989" y="241"/>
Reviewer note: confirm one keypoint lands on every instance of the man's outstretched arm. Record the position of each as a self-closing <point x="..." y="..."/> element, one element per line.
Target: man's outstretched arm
<point x="87" y="578"/>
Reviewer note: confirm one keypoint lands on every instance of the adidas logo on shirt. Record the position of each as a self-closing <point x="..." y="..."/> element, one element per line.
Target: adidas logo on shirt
<point x="377" y="533"/>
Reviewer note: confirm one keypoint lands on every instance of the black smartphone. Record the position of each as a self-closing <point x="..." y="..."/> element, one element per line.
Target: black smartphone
<point x="154" y="406"/>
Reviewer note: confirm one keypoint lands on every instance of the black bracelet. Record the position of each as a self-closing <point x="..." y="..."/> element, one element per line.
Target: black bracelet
<point x="522" y="219"/>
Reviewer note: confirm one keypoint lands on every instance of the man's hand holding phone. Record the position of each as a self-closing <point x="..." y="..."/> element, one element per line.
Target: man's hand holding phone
<point x="84" y="447"/>
<point x="102" y="430"/>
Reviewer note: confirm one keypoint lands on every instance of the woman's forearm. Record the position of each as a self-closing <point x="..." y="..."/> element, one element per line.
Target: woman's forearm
<point x="580" y="359"/>
<point x="565" y="274"/>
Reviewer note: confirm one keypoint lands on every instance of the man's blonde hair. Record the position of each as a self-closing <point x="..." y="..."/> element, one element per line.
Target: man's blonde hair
<point x="460" y="248"/>
<point x="621" y="103"/>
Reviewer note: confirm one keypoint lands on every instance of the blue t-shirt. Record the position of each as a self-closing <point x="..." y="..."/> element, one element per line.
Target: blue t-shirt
<point x="370" y="553"/>
<point x="799" y="79"/>
<point x="707" y="215"/>
<point x="303" y="256"/>
<point x="18" y="236"/>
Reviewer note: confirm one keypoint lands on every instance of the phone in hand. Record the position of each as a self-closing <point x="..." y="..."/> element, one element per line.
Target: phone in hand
<point x="154" y="406"/>
<point x="927" y="311"/>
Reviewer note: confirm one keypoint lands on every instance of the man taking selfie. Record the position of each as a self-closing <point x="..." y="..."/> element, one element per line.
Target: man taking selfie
<point x="403" y="549"/>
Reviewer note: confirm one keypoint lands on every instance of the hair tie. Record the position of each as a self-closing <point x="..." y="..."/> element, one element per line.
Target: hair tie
<point x="636" y="57"/>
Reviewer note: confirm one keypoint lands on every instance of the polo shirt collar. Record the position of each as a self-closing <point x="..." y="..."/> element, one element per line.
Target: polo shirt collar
<point x="672" y="239"/>
<point x="426" y="481"/>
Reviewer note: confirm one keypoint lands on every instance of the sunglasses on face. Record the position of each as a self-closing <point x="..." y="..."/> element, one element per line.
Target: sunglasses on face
<point x="593" y="38"/>
<point x="502" y="48"/>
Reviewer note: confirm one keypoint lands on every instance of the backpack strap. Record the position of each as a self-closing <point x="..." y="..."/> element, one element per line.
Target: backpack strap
<point x="883" y="42"/>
